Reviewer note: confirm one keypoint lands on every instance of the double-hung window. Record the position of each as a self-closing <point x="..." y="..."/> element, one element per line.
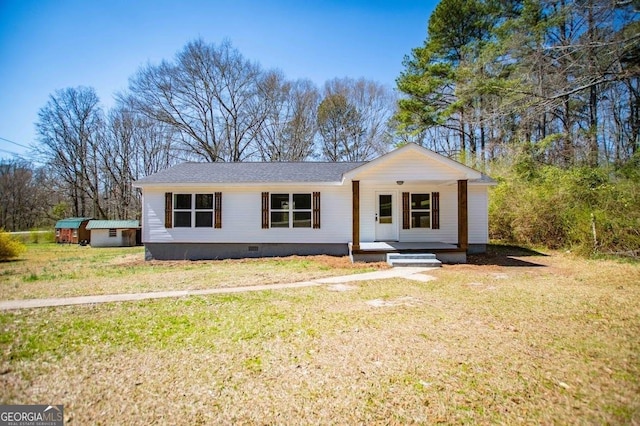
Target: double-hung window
<point x="290" y="210"/>
<point x="421" y="210"/>
<point x="193" y="210"/>
<point x="204" y="210"/>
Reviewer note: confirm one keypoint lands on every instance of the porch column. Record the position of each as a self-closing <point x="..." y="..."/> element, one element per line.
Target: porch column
<point x="463" y="215"/>
<point x="355" y="214"/>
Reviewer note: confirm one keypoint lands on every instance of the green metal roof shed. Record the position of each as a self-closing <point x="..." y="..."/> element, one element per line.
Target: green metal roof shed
<point x="113" y="224"/>
<point x="71" y="222"/>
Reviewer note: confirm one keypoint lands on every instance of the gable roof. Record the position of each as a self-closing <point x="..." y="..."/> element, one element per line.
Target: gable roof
<point x="250" y="173"/>
<point x="414" y="151"/>
<point x="71" y="222"/>
<point x="113" y="224"/>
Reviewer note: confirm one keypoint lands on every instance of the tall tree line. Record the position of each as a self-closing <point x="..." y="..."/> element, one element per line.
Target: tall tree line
<point x="559" y="78"/>
<point x="94" y="157"/>
<point x="26" y="195"/>
<point x="209" y="103"/>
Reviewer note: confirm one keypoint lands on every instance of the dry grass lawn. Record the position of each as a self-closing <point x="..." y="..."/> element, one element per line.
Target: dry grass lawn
<point x="53" y="270"/>
<point x="512" y="338"/>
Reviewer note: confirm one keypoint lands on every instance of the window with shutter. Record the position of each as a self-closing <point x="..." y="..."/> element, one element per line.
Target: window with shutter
<point x="420" y="210"/>
<point x="291" y="210"/>
<point x="200" y="210"/>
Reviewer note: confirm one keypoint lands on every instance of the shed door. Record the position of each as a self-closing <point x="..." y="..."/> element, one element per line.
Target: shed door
<point x="386" y="220"/>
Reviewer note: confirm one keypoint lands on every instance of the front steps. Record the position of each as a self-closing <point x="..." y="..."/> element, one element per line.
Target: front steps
<point x="427" y="260"/>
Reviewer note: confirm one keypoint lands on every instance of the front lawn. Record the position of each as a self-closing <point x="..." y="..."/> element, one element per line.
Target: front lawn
<point x="514" y="338"/>
<point x="61" y="270"/>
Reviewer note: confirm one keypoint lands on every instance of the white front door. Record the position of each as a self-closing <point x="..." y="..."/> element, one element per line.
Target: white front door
<point x="386" y="221"/>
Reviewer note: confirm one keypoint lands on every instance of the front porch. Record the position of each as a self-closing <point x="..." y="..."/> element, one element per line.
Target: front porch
<point x="376" y="251"/>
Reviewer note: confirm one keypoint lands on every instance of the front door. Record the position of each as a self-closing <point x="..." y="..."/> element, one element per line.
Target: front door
<point x="386" y="227"/>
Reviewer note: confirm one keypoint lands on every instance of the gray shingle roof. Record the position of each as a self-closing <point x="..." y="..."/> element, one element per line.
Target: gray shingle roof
<point x="203" y="173"/>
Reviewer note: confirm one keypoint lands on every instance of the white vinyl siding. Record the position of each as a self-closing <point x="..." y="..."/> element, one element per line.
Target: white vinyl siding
<point x="448" y="232"/>
<point x="242" y="213"/>
<point x="102" y="238"/>
<point x="478" y="204"/>
<point x="105" y="238"/>
<point x="408" y="168"/>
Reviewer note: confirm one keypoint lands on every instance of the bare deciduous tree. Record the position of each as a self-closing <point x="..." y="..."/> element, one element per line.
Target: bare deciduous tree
<point x="353" y="119"/>
<point x="134" y="146"/>
<point x="288" y="132"/>
<point x="24" y="196"/>
<point x="70" y="129"/>
<point x="209" y="94"/>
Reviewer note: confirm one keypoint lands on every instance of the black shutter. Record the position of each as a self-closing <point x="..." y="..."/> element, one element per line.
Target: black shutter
<point x="316" y="210"/>
<point x="265" y="210"/>
<point x="435" y="210"/>
<point x="168" y="210"/>
<point x="218" y="210"/>
<point x="406" y="211"/>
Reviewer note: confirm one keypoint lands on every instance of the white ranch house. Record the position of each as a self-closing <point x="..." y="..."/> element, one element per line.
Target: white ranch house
<point x="409" y="200"/>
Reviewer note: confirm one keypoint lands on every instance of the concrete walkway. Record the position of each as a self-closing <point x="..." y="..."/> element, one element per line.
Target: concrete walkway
<point x="413" y="273"/>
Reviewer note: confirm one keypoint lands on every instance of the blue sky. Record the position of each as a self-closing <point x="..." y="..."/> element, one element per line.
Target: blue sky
<point x="47" y="45"/>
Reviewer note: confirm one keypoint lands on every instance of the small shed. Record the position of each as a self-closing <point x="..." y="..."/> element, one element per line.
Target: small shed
<point x="113" y="233"/>
<point x="73" y="230"/>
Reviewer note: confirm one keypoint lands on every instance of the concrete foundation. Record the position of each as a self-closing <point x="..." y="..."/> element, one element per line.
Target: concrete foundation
<point x="207" y="251"/>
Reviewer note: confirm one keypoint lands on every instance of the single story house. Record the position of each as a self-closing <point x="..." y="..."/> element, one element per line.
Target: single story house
<point x="409" y="200"/>
<point x="113" y="233"/>
<point x="72" y="230"/>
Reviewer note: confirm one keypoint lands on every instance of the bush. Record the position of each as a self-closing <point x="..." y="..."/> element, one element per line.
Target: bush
<point x="585" y="209"/>
<point x="9" y="246"/>
<point x="49" y="237"/>
<point x="34" y="236"/>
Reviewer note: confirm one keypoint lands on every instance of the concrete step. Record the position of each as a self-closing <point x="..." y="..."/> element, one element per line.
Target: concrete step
<point x="411" y="256"/>
<point x="413" y="259"/>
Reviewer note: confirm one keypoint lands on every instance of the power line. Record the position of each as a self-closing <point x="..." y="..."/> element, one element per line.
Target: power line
<point x="15" y="154"/>
<point x="21" y="157"/>
<point x="15" y="143"/>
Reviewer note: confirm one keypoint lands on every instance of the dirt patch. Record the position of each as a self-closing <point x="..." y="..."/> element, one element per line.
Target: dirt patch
<point x="400" y="301"/>
<point x="337" y="262"/>
<point x="341" y="287"/>
<point x="129" y="259"/>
